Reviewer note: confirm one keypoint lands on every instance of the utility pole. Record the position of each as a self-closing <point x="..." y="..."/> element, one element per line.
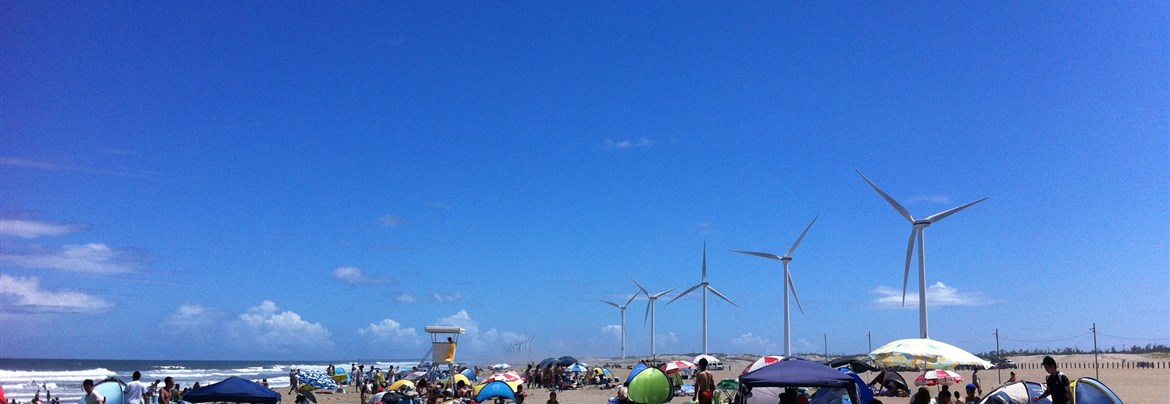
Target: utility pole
<point x="826" y="346"/>
<point x="998" y="371"/>
<point x="869" y="337"/>
<point x="1096" y="365"/>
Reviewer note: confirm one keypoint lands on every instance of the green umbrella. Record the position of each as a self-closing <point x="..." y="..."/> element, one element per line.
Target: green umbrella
<point x="650" y="386"/>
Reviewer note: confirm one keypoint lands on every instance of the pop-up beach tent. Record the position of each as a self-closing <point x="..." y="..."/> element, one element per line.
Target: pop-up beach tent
<point x="650" y="386"/>
<point x="496" y="389"/>
<point x="1016" y="393"/>
<point x="795" y="373"/>
<point x="235" y="390"/>
<point x="889" y="382"/>
<point x="863" y="391"/>
<point x="1087" y="390"/>
<point x="110" y="388"/>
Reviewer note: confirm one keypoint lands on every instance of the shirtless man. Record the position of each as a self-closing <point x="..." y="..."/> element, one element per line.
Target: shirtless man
<point x="704" y="384"/>
<point x="164" y="394"/>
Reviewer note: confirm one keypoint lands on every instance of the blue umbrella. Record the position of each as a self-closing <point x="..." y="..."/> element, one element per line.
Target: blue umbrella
<point x="316" y="379"/>
<point x="469" y="373"/>
<point x="496" y="389"/>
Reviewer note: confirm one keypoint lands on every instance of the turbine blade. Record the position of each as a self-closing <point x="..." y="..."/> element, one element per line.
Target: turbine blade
<point x="897" y="206"/>
<point x="646" y="318"/>
<point x="611" y="303"/>
<point x="792" y="286"/>
<point x="640" y="286"/>
<point x="631" y="299"/>
<point x="704" y="261"/>
<point x="797" y="243"/>
<point x="716" y="292"/>
<point x="760" y="254"/>
<point x="939" y="216"/>
<point x="684" y="293"/>
<point x="909" y="254"/>
<point x="659" y="294"/>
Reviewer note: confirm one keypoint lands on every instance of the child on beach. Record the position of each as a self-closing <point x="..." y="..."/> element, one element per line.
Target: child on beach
<point x="552" y="398"/>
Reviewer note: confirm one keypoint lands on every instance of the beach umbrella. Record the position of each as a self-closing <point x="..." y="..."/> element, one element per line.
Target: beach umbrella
<point x="567" y="360"/>
<point x="416" y="374"/>
<point x="650" y="386"/>
<point x="576" y="367"/>
<point x="316" y="379"/>
<point x="711" y="360"/>
<point x="857" y="363"/>
<point x="925" y="353"/>
<point x="509" y="376"/>
<point x="377" y="398"/>
<point x="759" y="363"/>
<point x="398" y="384"/>
<point x="501" y="366"/>
<point x="496" y="389"/>
<point x="673" y="367"/>
<point x="546" y="362"/>
<point x="937" y="377"/>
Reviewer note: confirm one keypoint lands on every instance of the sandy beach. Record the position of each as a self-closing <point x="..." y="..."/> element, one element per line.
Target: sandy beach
<point x="1133" y="385"/>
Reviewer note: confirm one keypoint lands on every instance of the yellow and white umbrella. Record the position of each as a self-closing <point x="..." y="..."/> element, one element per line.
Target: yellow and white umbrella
<point x="924" y="352"/>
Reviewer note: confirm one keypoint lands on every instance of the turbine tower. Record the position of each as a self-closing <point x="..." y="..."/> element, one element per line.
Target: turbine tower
<point x="917" y="230"/>
<point x="706" y="286"/>
<point x="650" y="312"/>
<point x="622" y="308"/>
<point x="787" y="257"/>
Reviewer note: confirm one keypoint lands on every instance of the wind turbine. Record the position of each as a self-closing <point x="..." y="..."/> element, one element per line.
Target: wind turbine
<point x="706" y="286"/>
<point x="787" y="257"/>
<point x="623" y="310"/>
<point x="650" y="312"/>
<point x="917" y="230"/>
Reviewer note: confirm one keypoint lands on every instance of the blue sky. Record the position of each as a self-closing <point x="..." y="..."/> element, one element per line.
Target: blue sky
<point x="309" y="181"/>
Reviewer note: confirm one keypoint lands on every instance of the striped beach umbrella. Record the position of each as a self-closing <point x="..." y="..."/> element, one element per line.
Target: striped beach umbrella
<point x="673" y="367"/>
<point x="937" y="377"/>
<point x="759" y="363"/>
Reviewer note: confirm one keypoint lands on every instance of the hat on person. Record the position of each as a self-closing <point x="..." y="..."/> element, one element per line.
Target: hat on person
<point x="970" y="386"/>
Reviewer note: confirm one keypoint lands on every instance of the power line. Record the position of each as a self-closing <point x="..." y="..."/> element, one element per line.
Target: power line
<point x="1048" y="340"/>
<point x="1135" y="339"/>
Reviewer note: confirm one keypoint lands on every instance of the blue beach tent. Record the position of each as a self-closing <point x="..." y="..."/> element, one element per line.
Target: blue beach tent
<point x="110" y="388"/>
<point x="495" y="389"/>
<point x="235" y="390"/>
<point x="796" y="372"/>
<point x="862" y="390"/>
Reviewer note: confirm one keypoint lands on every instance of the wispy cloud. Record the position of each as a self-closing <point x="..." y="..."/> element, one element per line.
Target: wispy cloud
<point x="627" y="144"/>
<point x="94" y="258"/>
<point x="754" y="344"/>
<point x="355" y="276"/>
<point x="405" y="297"/>
<point x="53" y="166"/>
<point x="25" y="295"/>
<point x="446" y="298"/>
<point x="612" y="329"/>
<point x="389" y="220"/>
<point x="34" y="229"/>
<point x="192" y="317"/>
<point x="472" y="336"/>
<point x="938" y="294"/>
<point x="390" y="331"/>
<point x="266" y="328"/>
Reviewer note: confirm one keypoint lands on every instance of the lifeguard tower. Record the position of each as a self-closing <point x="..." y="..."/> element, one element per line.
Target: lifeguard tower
<point x="444" y="339"/>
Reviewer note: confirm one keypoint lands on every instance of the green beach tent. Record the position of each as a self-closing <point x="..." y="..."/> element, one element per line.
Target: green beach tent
<point x="650" y="386"/>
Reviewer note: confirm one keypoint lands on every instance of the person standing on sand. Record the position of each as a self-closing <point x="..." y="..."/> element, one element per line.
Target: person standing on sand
<point x="135" y="391"/>
<point x="552" y="398"/>
<point x="92" y="397"/>
<point x="292" y="381"/>
<point x="1057" y="384"/>
<point x="704" y="384"/>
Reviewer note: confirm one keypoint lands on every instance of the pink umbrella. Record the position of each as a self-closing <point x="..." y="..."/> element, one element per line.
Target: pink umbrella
<point x="936" y="377"/>
<point x="506" y="377"/>
<point x="676" y="366"/>
<point x="759" y="363"/>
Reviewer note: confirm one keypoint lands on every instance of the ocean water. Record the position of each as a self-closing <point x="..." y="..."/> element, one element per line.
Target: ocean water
<point x="22" y="378"/>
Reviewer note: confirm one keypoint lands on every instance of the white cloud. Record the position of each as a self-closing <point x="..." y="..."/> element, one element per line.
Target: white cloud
<point x="389" y="220"/>
<point x="52" y="166"/>
<point x="612" y="329"/>
<point x="31" y="229"/>
<point x="938" y="294"/>
<point x="354" y="275"/>
<point x="491" y="340"/>
<point x="405" y="297"/>
<point x="803" y="345"/>
<point x="627" y="144"/>
<point x="749" y="343"/>
<point x="264" y="328"/>
<point x="390" y="331"/>
<point x="192" y="317"/>
<point x="666" y="341"/>
<point x="446" y="298"/>
<point x="91" y="258"/>
<point x="25" y="295"/>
